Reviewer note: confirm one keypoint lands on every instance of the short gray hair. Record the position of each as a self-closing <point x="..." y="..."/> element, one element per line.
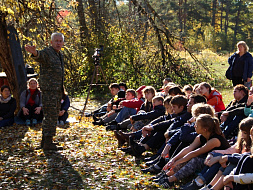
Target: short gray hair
<point x="57" y="34"/>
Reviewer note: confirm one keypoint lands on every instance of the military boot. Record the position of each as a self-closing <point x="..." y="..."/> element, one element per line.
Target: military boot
<point x="49" y="145"/>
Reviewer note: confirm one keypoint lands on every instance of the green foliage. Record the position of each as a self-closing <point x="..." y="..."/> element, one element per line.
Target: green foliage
<point x="140" y="46"/>
<point x="217" y="66"/>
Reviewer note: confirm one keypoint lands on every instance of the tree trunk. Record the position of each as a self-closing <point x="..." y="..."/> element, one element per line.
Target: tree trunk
<point x="221" y="16"/>
<point x="6" y="59"/>
<point x="214" y="12"/>
<point x="226" y="18"/>
<point x="237" y="21"/>
<point x="185" y="14"/>
<point x="84" y="32"/>
<point x="180" y="14"/>
<point x="94" y="15"/>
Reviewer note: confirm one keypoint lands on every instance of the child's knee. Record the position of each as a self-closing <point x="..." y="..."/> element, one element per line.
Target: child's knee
<point x="166" y="135"/>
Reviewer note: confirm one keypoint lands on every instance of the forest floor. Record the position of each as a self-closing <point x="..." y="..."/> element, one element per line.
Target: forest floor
<point x="90" y="158"/>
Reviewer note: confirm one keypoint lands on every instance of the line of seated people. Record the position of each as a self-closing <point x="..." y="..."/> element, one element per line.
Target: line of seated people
<point x="31" y="108"/>
<point x="197" y="133"/>
<point x="184" y="144"/>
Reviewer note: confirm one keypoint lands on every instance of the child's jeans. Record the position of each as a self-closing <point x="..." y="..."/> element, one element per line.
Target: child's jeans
<point x="208" y="173"/>
<point x="125" y="113"/>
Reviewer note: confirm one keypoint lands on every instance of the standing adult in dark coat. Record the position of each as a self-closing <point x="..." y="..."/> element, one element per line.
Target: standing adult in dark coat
<point x="51" y="84"/>
<point x="241" y="65"/>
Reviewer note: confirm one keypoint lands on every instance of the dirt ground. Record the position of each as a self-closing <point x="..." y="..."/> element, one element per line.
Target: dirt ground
<point x="77" y="105"/>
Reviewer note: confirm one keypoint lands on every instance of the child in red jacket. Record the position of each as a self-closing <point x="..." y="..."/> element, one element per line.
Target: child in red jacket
<point x="130" y="107"/>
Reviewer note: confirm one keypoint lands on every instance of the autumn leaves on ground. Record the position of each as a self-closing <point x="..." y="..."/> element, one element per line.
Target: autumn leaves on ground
<point x="90" y="160"/>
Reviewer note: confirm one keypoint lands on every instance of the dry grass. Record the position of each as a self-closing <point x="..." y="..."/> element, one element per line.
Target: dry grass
<point x="227" y="95"/>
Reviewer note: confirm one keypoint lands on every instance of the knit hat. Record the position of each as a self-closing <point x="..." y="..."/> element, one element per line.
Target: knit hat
<point x="139" y="90"/>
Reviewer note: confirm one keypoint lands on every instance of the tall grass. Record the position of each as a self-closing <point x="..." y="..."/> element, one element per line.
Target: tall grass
<point x="217" y="64"/>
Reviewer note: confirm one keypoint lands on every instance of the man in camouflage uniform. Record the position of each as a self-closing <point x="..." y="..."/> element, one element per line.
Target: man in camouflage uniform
<point x="51" y="84"/>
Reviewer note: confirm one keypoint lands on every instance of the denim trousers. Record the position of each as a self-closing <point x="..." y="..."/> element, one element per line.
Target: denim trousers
<point x="208" y="173"/>
<point x="125" y="113"/>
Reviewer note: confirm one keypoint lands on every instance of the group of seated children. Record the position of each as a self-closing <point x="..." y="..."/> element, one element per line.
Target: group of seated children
<point x="31" y="108"/>
<point x="190" y="130"/>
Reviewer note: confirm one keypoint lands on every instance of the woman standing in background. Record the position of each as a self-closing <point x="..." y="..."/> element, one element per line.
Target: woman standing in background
<point x="241" y="66"/>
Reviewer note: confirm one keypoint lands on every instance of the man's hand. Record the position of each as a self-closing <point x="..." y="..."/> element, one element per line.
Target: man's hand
<point x="146" y="130"/>
<point x="223" y="161"/>
<point x="250" y="100"/>
<point x="120" y="105"/>
<point x="190" y="121"/>
<point x="224" y="116"/>
<point x="227" y="181"/>
<point x="212" y="161"/>
<point x="61" y="112"/>
<point x="131" y="120"/>
<point x="209" y="157"/>
<point x="37" y="110"/>
<point x="166" y="151"/>
<point x="31" y="49"/>
<point x="169" y="164"/>
<point x="145" y="133"/>
<point x="110" y="113"/>
<point x="133" y="129"/>
<point x="109" y="107"/>
<point x="25" y="111"/>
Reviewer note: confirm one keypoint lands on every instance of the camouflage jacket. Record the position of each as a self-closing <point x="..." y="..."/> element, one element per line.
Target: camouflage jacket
<point x="51" y="69"/>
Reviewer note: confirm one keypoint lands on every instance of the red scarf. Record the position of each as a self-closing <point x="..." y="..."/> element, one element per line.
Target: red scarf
<point x="31" y="102"/>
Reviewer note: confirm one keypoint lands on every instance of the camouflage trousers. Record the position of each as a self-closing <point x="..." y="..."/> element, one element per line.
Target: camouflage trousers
<point x="184" y="170"/>
<point x="51" y="101"/>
